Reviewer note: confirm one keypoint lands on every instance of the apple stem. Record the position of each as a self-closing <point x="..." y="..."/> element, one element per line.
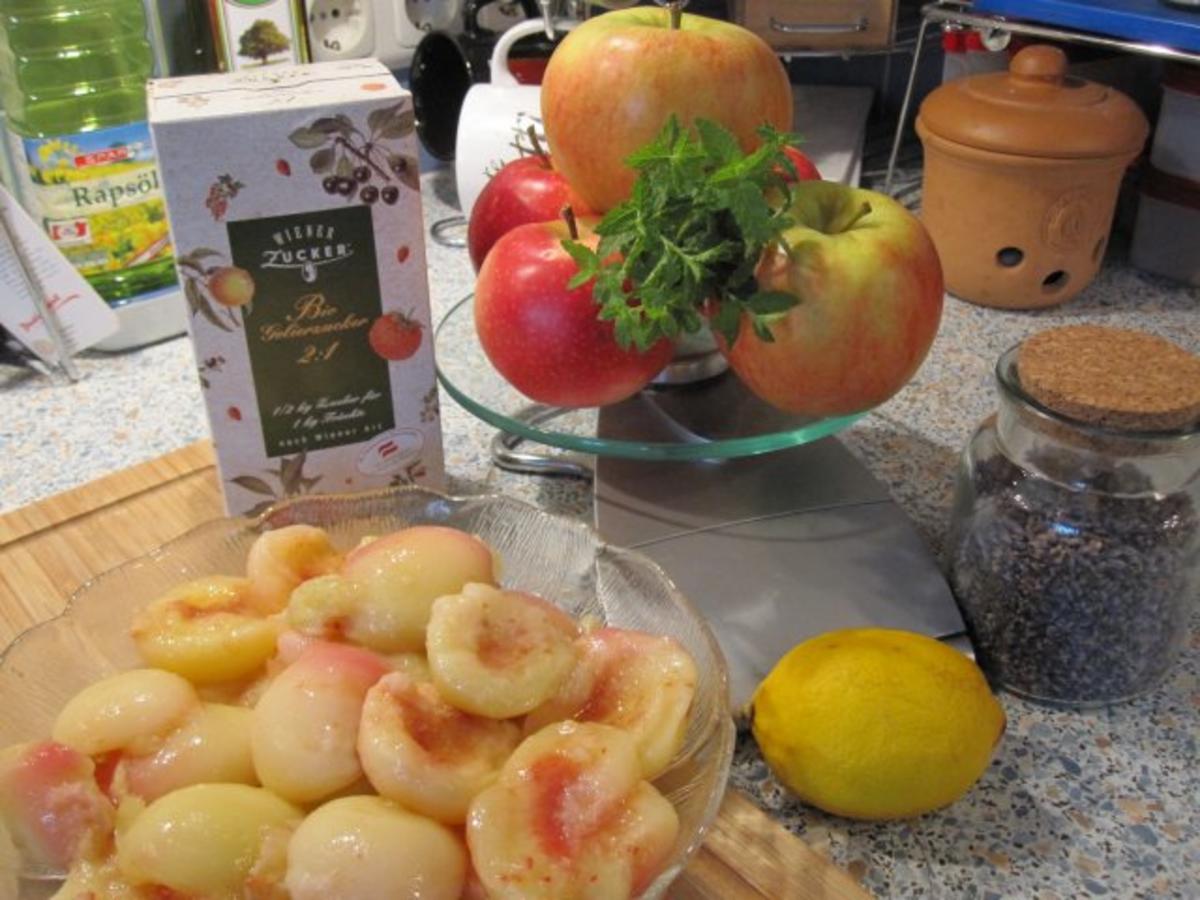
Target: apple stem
<point x="568" y="215"/>
<point x="863" y="210"/>
<point x="538" y="149"/>
<point x="676" y="10"/>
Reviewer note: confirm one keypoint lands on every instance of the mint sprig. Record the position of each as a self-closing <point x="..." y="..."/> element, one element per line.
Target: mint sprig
<point x="692" y="232"/>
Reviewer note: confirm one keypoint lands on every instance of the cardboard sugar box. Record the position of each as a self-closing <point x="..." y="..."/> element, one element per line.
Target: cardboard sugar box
<point x="295" y="209"/>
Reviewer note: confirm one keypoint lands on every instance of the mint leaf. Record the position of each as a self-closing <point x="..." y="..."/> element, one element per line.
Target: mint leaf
<point x="660" y="149"/>
<point x="693" y="230"/>
<point x="766" y="303"/>
<point x="751" y="212"/>
<point x="583" y="256"/>
<point x="720" y="146"/>
<point x="727" y="320"/>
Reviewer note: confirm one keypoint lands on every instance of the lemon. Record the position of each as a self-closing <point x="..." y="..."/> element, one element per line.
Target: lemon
<point x="870" y="723"/>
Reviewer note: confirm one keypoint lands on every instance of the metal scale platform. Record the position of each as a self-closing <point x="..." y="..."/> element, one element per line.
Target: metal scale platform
<point x="772" y="548"/>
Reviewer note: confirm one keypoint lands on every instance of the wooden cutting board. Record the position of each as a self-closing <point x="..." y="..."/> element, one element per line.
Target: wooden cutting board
<point x="51" y="547"/>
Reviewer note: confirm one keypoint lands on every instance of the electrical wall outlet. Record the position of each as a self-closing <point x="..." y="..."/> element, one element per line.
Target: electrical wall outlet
<point x="388" y="30"/>
<point x="341" y="29"/>
<point x="433" y="15"/>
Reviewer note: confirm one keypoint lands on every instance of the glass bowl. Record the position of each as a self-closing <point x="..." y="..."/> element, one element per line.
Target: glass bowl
<point x="559" y="558"/>
<point x="716" y="418"/>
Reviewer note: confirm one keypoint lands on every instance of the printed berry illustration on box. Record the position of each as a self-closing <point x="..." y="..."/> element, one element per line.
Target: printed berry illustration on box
<point x="301" y="255"/>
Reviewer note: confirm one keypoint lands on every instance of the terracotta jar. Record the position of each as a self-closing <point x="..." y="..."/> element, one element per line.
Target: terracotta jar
<point x="1022" y="170"/>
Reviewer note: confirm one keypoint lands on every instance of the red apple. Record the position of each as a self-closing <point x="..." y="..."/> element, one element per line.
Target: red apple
<point x="806" y="169"/>
<point x="525" y="190"/>
<point x="614" y="81"/>
<point x="543" y="336"/>
<point x="870" y="290"/>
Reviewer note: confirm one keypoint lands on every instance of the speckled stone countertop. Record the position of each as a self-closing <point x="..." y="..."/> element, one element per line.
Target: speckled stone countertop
<point x="1076" y="804"/>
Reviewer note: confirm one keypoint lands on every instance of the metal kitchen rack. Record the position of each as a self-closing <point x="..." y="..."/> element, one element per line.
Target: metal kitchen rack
<point x="996" y="30"/>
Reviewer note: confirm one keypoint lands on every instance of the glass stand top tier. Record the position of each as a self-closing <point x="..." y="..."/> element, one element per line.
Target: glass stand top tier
<point x="712" y="419"/>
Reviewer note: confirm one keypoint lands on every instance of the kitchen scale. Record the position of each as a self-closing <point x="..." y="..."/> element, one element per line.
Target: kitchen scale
<point x="763" y="519"/>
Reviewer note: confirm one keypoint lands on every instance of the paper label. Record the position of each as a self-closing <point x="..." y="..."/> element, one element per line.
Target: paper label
<point x="295" y="203"/>
<point x="99" y="198"/>
<point x="83" y="317"/>
<point x="259" y="33"/>
<point x="319" y="382"/>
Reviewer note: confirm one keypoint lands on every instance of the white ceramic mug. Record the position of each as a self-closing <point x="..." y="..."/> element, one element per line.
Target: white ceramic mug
<point x="495" y="116"/>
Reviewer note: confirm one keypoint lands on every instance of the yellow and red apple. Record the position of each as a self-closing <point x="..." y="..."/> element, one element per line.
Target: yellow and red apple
<point x="869" y="284"/>
<point x="614" y="81"/>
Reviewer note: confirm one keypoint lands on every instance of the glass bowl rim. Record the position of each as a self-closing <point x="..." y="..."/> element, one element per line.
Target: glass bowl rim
<point x="628" y="448"/>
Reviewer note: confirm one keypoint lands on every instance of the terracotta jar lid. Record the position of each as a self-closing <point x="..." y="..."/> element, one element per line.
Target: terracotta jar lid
<point x="1036" y="109"/>
<point x="1112" y="377"/>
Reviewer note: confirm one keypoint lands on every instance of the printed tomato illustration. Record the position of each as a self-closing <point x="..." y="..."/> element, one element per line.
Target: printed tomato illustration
<point x="395" y="336"/>
<point x="234" y="413"/>
<point x="283" y="167"/>
<point x="402" y="254"/>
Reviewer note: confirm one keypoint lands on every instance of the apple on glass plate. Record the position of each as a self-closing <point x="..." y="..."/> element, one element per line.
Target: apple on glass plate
<point x="870" y="291"/>
<point x="616" y="79"/>
<point x="825" y="299"/>
<point x="540" y="329"/>
<point x="525" y="190"/>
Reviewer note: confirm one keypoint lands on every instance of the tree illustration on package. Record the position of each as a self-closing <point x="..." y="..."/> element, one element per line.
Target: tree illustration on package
<point x="262" y="40"/>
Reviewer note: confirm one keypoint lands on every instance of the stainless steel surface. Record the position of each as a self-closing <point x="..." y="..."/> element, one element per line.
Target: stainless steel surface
<point x="905" y="103"/>
<point x="859" y="24"/>
<point x="450" y="232"/>
<point x="691" y="367"/>
<point x="505" y="454"/>
<point x="772" y="549"/>
<point x="720" y="408"/>
<point x="960" y="12"/>
<point x="547" y="7"/>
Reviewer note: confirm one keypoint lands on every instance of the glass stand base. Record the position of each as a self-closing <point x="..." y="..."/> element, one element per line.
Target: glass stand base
<point x="506" y="455"/>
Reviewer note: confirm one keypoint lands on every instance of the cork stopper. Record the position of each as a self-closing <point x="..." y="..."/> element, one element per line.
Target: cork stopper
<point x="1112" y="377"/>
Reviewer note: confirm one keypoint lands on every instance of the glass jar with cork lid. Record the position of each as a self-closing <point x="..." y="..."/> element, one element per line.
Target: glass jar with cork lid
<point x="1075" y="536"/>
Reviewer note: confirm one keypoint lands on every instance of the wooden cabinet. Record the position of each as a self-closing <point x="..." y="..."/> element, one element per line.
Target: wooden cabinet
<point x="823" y="25"/>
